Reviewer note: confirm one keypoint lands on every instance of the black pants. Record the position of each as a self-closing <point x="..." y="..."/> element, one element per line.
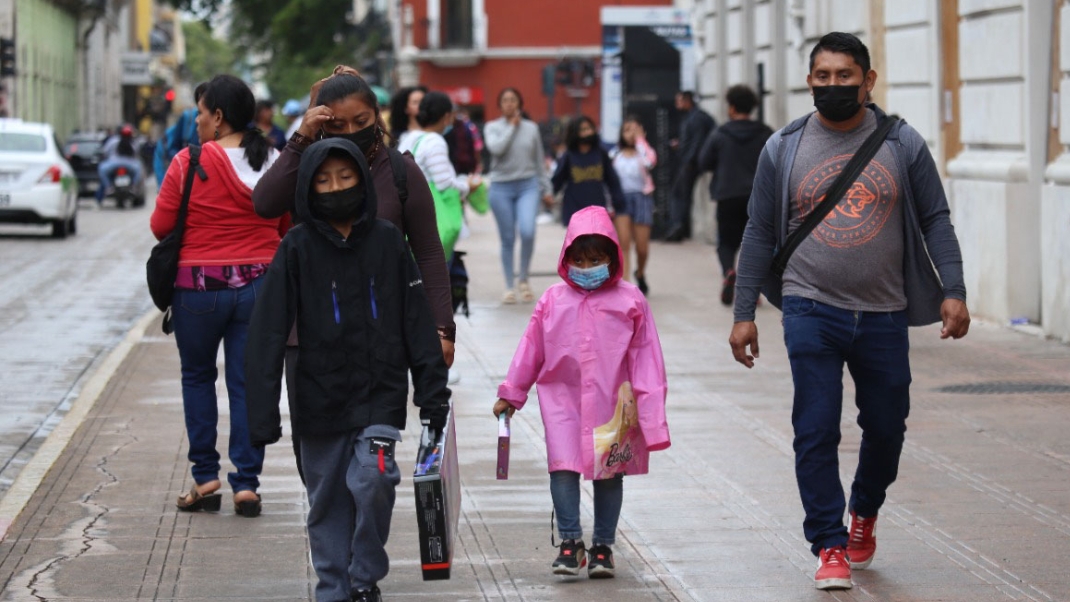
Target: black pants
<point x="683" y="194"/>
<point x="731" y="221"/>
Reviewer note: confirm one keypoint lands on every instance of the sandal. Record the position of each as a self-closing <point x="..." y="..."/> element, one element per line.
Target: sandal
<point x="194" y="501"/>
<point x="509" y="297"/>
<point x="525" y="292"/>
<point x="248" y="508"/>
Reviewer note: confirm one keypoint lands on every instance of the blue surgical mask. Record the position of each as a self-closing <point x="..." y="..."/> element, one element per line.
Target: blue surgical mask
<point x="589" y="278"/>
<point x="449" y="128"/>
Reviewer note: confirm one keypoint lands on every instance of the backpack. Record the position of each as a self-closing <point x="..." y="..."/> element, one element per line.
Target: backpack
<point x="462" y="146"/>
<point x="401" y="177"/>
<point x="177" y="137"/>
<point x="459" y="283"/>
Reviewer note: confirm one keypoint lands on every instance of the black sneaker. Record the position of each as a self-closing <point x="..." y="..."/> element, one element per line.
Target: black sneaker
<point x="640" y="281"/>
<point x="572" y="558"/>
<point x="368" y="595"/>
<point x="728" y="288"/>
<point x="601" y="566"/>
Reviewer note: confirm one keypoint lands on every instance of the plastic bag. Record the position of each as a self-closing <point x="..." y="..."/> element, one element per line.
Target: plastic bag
<point x="617" y="442"/>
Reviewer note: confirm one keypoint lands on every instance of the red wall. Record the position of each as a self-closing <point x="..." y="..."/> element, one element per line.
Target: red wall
<point x="523" y="74"/>
<point x="536" y="22"/>
<point x="525" y="23"/>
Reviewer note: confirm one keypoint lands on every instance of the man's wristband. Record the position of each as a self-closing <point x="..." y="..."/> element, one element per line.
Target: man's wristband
<point x="448" y="333"/>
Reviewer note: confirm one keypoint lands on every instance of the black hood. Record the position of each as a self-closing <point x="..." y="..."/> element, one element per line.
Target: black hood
<point x="744" y="130"/>
<point x="311" y="159"/>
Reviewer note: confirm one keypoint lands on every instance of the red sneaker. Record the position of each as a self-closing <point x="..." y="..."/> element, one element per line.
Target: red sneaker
<point x="833" y="570"/>
<point x="862" y="542"/>
<point x="728" y="288"/>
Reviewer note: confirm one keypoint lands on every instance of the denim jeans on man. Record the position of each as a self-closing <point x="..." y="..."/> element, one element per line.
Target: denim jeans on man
<point x="515" y="205"/>
<point x="106" y="167"/>
<point x="203" y="319"/>
<point x="608" y="497"/>
<point x="820" y="339"/>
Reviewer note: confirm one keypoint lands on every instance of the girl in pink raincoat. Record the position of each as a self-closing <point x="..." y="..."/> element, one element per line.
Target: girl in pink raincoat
<point x="593" y="353"/>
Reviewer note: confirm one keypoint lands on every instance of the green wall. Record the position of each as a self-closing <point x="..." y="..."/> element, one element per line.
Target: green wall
<point x="46" y="83"/>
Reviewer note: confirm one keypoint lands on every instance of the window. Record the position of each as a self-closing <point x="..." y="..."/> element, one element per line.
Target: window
<point x="34" y="143"/>
<point x="457" y="24"/>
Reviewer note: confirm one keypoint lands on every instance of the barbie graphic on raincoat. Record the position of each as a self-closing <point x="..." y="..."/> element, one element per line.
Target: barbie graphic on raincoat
<point x="583" y="350"/>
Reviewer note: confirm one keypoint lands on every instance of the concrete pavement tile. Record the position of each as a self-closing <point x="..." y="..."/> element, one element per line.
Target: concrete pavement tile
<point x="763" y="593"/>
<point x="910" y="592"/>
<point x="241" y="581"/>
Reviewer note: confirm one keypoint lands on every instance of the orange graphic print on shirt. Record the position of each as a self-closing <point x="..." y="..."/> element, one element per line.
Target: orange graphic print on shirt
<point x="862" y="212"/>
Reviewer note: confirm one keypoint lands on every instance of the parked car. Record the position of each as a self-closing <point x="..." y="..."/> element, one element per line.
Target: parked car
<point x="83" y="152"/>
<point x="37" y="184"/>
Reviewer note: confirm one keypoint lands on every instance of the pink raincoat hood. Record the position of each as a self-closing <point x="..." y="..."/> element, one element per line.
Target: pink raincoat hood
<point x="590" y="220"/>
<point x="585" y="351"/>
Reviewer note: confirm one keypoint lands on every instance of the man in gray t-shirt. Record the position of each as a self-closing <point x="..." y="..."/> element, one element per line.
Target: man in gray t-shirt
<point x="854" y="258"/>
<point x="849" y="292"/>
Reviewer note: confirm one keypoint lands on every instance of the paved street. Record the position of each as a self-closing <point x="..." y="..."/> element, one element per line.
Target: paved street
<point x="981" y="510"/>
<point x="63" y="304"/>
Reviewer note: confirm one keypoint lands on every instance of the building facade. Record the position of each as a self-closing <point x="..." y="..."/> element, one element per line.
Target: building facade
<point x="88" y="65"/>
<point x="474" y="48"/>
<point x="45" y="87"/>
<point x="100" y="76"/>
<point x="986" y="82"/>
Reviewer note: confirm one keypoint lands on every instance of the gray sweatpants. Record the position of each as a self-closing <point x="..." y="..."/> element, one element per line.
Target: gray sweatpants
<point x="351" y="494"/>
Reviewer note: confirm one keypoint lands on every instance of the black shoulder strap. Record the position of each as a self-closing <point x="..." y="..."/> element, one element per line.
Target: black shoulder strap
<point x="401" y="181"/>
<point x="835" y="192"/>
<point x="194" y="168"/>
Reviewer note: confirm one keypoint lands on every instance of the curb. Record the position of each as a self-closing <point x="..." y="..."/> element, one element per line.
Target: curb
<point x="31" y="475"/>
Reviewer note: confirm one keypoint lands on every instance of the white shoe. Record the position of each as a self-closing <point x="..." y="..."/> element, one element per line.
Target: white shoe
<point x="454" y="376"/>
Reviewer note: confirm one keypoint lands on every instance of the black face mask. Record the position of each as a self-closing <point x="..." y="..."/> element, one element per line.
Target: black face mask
<point x="591" y="140"/>
<point x="364" y="139"/>
<point x="837" y="103"/>
<point x="337" y="206"/>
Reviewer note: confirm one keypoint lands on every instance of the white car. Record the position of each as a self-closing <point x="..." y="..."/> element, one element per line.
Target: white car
<point x="37" y="185"/>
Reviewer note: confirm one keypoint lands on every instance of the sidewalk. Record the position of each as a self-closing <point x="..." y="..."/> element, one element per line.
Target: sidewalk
<point x="981" y="510"/>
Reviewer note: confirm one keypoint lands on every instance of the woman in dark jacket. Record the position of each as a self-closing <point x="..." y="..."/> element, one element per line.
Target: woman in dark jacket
<point x="343" y="105"/>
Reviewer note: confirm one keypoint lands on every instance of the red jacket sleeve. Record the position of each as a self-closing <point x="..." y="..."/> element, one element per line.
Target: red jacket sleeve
<point x="165" y="215"/>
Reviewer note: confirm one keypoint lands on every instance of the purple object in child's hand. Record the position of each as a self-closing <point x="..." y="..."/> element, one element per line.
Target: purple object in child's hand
<point x="503" y="446"/>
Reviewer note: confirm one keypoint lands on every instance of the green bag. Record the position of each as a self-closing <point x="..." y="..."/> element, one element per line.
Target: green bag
<point x="449" y="212"/>
<point x="478" y="198"/>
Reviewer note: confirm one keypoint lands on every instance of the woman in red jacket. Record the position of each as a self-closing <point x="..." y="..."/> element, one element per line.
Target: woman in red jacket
<point x="225" y="252"/>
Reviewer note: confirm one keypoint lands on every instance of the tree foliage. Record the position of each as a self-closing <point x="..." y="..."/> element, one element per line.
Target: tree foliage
<point x="206" y="55"/>
<point x="298" y="41"/>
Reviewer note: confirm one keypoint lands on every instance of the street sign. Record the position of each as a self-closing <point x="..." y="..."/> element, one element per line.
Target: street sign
<point x="135" y="69"/>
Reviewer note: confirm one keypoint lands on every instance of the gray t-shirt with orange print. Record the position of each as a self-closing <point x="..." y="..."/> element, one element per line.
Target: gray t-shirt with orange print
<point x="854" y="258"/>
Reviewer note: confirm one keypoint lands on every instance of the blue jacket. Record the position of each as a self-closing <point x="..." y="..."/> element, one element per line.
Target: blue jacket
<point x="929" y="237"/>
<point x="177" y="137"/>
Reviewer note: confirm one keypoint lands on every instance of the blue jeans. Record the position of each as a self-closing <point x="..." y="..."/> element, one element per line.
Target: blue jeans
<point x="875" y="346"/>
<point x="202" y="320"/>
<point x="515" y="205"/>
<point x="105" y="169"/>
<point x="608" y="497"/>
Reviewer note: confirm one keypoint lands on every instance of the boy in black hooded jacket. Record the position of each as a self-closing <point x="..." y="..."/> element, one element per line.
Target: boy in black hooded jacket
<point x="363" y="321"/>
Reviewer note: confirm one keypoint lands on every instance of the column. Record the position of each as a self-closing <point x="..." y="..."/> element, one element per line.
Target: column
<point x="1055" y="199"/>
<point x="1004" y="69"/>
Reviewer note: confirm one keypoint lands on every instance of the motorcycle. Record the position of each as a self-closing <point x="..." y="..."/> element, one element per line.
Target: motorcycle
<point x="127" y="193"/>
